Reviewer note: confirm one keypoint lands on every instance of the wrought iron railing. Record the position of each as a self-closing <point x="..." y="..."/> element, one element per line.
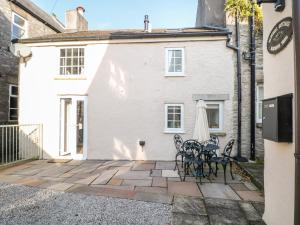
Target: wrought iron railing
<point x="20" y="142"/>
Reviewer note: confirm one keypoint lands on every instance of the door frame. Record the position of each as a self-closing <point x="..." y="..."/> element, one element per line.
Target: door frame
<point x="73" y="125"/>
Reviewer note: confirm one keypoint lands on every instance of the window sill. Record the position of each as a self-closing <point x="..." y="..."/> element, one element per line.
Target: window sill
<point x="218" y="133"/>
<point x="258" y="125"/>
<point x="175" y="75"/>
<point x="70" y="77"/>
<point x="174" y="132"/>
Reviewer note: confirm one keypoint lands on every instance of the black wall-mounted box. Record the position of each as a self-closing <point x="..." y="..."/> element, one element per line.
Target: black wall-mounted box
<point x="278" y="118"/>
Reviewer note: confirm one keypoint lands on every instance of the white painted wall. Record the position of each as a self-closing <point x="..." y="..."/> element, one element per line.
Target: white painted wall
<point x="126" y="90"/>
<point x="279" y="157"/>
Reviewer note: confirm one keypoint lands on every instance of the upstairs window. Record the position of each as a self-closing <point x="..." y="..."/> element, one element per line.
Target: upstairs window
<point x="215" y="115"/>
<point x="71" y="61"/>
<point x="175" y="61"/>
<point x="19" y="27"/>
<point x="259" y="98"/>
<point x="13" y="102"/>
<point x="174" y="118"/>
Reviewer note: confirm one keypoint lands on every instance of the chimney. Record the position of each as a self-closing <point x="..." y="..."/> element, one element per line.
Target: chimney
<point x="211" y="13"/>
<point x="75" y="20"/>
<point x="147" y="25"/>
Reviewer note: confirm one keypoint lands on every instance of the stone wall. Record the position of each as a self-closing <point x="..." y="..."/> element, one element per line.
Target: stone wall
<point x="246" y="99"/>
<point x="8" y="62"/>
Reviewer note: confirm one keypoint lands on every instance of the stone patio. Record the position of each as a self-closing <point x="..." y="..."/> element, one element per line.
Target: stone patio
<point x="211" y="202"/>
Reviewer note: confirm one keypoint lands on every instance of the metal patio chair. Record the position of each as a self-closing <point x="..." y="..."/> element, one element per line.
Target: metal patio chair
<point x="178" y="141"/>
<point x="224" y="160"/>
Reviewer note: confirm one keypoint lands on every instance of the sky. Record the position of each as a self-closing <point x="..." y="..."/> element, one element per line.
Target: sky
<point x="120" y="14"/>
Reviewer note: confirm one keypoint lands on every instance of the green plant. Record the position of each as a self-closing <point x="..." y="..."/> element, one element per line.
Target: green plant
<point x="242" y="9"/>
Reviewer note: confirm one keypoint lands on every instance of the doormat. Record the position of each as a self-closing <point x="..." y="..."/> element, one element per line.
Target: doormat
<point x="59" y="160"/>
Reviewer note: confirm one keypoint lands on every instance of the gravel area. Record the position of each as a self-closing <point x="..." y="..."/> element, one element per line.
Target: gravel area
<point x="21" y="205"/>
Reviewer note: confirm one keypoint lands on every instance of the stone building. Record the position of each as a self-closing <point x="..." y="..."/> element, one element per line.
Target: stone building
<point x="18" y="19"/>
<point x="211" y="13"/>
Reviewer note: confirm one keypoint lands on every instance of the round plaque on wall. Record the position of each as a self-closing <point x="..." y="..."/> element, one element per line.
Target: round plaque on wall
<point x="280" y="36"/>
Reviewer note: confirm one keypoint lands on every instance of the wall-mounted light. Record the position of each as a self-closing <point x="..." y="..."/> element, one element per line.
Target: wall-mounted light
<point x="279" y="4"/>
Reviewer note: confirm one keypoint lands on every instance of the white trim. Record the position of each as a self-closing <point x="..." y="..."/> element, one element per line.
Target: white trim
<point x="25" y="28"/>
<point x="174" y="74"/>
<point x="66" y="76"/>
<point x="14" y="96"/>
<point x="174" y="130"/>
<point x="73" y="134"/>
<point x="257" y="101"/>
<point x="221" y="115"/>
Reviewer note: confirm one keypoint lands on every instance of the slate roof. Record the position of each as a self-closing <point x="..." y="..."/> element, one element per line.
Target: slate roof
<point x="126" y="34"/>
<point x="39" y="14"/>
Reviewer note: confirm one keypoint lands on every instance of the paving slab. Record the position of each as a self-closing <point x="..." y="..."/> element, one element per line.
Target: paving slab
<point x="158" y="190"/>
<point x="215" y="190"/>
<point x="143" y="166"/>
<point x="155" y="173"/>
<point x="184" y="188"/>
<point x="129" y="188"/>
<point x="260" y="207"/>
<point x="55" y="171"/>
<point x="88" y="179"/>
<point x="105" y="176"/>
<point x="145" y="183"/>
<point x="162" y="165"/>
<point x="58" y="186"/>
<point x="133" y="175"/>
<point x="239" y="187"/>
<point x="119" y="163"/>
<point x="251" y="186"/>
<point x="225" y="212"/>
<point x="159" y="182"/>
<point x="153" y="197"/>
<point x="97" y="190"/>
<point x="115" y="182"/>
<point x="169" y="173"/>
<point x="10" y="178"/>
<point x="32" y="182"/>
<point x="189" y="205"/>
<point x="186" y="219"/>
<point x="250" y="211"/>
<point x="253" y="196"/>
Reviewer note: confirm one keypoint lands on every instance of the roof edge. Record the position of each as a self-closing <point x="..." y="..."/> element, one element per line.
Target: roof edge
<point x="121" y="37"/>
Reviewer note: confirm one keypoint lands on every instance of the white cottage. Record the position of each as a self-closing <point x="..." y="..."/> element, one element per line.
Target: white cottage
<point x="100" y="94"/>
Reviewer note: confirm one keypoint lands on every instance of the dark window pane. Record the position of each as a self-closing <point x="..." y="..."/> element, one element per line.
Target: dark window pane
<point x="68" y="70"/>
<point x="213" y="117"/>
<point x="75" y="70"/>
<point x="62" y="70"/>
<point x="75" y="51"/>
<point x="81" y="52"/>
<point x="62" y="52"/>
<point x="14" y="90"/>
<point x="62" y="62"/>
<point x="69" y="61"/>
<point x="69" y="52"/>
<point x="13" y="102"/>
<point x="75" y="62"/>
<point x="18" y="20"/>
<point x="13" y="114"/>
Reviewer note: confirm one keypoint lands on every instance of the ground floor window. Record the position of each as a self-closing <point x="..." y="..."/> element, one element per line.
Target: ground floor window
<point x="259" y="98"/>
<point x="215" y="115"/>
<point x="174" y="118"/>
<point x="13" y="102"/>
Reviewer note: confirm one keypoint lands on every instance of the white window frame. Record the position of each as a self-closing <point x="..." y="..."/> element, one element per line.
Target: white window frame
<point x="14" y="96"/>
<point x="25" y="28"/>
<point x="170" y="74"/>
<point x="257" y="101"/>
<point x="174" y="130"/>
<point x="71" y="75"/>
<point x="221" y="115"/>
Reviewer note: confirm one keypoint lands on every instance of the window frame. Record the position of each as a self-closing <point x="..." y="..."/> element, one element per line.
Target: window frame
<point x="221" y="115"/>
<point x="59" y="65"/>
<point x="174" y="130"/>
<point x="171" y="74"/>
<point x="257" y="101"/>
<point x="13" y="14"/>
<point x="13" y="96"/>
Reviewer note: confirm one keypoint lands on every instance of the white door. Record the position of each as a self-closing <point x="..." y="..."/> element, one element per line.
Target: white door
<point x="73" y="127"/>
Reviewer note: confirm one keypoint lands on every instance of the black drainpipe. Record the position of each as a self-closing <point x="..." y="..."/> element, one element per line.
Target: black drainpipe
<point x="237" y="49"/>
<point x="296" y="24"/>
<point x="252" y="83"/>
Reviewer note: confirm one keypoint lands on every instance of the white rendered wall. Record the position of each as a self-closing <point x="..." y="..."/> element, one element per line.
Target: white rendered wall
<point x="279" y="157"/>
<point x="126" y="90"/>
